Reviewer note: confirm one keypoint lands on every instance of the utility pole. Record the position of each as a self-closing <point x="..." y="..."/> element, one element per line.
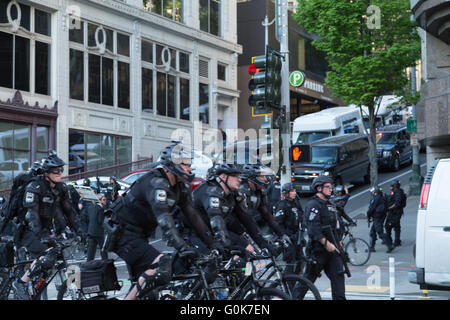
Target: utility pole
<point x="282" y="33"/>
<point x="415" y="180"/>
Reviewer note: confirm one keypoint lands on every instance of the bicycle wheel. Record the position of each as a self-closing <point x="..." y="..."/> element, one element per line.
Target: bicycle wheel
<point x="266" y="294"/>
<point x="293" y="284"/>
<point x="358" y="251"/>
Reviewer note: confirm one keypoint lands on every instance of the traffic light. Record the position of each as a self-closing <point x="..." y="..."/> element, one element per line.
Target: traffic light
<point x="265" y="84"/>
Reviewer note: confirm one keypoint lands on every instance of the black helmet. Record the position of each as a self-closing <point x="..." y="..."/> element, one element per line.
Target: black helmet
<point x="228" y="169"/>
<point x="376" y="189"/>
<point x="172" y="156"/>
<point x="320" y="181"/>
<point x="287" y="187"/>
<point x="2" y="199"/>
<point x="252" y="172"/>
<point x="338" y="189"/>
<point x="86" y="182"/>
<point x="36" y="168"/>
<point x="396" y="184"/>
<point x="52" y="161"/>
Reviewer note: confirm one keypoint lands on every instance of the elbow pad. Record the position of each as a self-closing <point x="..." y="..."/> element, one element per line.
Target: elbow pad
<point x="170" y="232"/>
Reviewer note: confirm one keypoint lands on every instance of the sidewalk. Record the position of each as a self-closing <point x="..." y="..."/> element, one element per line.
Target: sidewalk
<point x="357" y="286"/>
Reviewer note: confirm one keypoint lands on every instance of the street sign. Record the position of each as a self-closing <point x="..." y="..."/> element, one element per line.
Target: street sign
<point x="411" y="126"/>
<point x="413" y="140"/>
<point x="297" y="78"/>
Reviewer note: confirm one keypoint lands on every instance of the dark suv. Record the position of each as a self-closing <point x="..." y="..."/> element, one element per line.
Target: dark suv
<point x="393" y="147"/>
<point x="343" y="158"/>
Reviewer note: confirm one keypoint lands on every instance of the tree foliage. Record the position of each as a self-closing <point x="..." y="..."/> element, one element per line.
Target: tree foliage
<point x="369" y="45"/>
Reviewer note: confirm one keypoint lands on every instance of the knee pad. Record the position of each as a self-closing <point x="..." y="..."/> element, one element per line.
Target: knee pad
<point x="44" y="264"/>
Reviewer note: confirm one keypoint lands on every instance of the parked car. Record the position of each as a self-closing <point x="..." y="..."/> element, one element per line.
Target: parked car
<point x="393" y="147"/>
<point x="344" y="158"/>
<point x="133" y="176"/>
<point x="18" y="165"/>
<point x="105" y="181"/>
<point x="433" y="231"/>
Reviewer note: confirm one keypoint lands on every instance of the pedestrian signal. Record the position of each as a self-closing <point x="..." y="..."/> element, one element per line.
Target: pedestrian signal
<point x="301" y="153"/>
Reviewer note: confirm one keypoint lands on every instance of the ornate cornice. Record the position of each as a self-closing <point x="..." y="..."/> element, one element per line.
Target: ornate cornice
<point x="17" y="104"/>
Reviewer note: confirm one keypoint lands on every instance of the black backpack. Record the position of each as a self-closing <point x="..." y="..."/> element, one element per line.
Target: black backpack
<point x="403" y="198"/>
<point x="15" y="204"/>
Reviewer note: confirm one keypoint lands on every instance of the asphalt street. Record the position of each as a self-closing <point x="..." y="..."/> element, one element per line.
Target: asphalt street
<point x="372" y="280"/>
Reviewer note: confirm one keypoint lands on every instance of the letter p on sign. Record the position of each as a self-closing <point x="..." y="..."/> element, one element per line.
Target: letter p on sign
<point x="297" y="78"/>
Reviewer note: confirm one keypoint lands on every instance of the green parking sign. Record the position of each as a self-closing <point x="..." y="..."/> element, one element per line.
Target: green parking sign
<point x="297" y="78"/>
<point x="411" y="126"/>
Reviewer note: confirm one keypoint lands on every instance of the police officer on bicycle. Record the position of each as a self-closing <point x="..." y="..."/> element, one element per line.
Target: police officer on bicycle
<point x="321" y="220"/>
<point x="151" y="202"/>
<point x="44" y="199"/>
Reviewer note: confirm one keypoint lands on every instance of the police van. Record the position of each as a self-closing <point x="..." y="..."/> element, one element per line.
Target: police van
<point x="326" y="123"/>
<point x="433" y="231"/>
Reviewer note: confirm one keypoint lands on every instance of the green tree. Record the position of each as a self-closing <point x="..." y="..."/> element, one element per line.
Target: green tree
<point x="369" y="45"/>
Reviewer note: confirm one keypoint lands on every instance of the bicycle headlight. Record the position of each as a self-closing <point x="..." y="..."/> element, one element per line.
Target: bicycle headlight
<point x="326" y="173"/>
<point x="386" y="154"/>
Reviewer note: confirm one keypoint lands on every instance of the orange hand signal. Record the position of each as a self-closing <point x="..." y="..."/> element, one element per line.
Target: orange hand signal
<point x="296" y="153"/>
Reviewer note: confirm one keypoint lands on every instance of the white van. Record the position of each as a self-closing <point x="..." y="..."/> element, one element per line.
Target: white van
<point x="433" y="231"/>
<point x="326" y="123"/>
<point x="384" y="114"/>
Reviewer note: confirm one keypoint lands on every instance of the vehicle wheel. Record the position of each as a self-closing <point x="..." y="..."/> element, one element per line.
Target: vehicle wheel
<point x="295" y="283"/>
<point x="266" y="294"/>
<point x="357" y="251"/>
<point x="396" y="164"/>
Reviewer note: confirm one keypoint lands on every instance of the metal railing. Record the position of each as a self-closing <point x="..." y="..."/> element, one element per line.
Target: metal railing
<point x="118" y="171"/>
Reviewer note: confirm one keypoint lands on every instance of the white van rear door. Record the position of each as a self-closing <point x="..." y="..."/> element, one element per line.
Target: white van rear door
<point x="437" y="226"/>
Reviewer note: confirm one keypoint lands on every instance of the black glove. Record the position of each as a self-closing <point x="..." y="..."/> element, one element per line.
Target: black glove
<point x="274" y="252"/>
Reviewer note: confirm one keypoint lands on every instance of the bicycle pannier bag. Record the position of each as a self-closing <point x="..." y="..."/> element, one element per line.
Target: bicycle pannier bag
<point x="99" y="276"/>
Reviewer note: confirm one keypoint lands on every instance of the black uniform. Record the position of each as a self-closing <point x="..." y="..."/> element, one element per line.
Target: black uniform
<point x="321" y="219"/>
<point x="260" y="207"/>
<point x="74" y="198"/>
<point x="217" y="210"/>
<point x="47" y="209"/>
<point x="377" y="211"/>
<point x="289" y="215"/>
<point x="394" y="216"/>
<point x="95" y="231"/>
<point x="150" y="202"/>
<point x="274" y="194"/>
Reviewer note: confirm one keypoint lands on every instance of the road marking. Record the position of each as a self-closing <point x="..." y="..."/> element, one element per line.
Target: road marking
<point x="387" y="181"/>
<point x="364" y="289"/>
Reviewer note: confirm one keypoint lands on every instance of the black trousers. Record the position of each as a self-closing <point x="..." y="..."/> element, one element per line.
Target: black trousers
<point x="331" y="263"/>
<point x="93" y="243"/>
<point x="393" y="222"/>
<point x="377" y="229"/>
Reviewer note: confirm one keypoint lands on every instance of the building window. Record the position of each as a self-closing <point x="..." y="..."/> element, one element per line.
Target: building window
<point x="221" y="72"/>
<point x="92" y="151"/>
<point x="210" y="16"/>
<point x="172" y="9"/>
<point x="185" y="106"/>
<point x="167" y="75"/>
<point x="204" y="103"/>
<point x="107" y="69"/>
<point x="15" y="149"/>
<point x="18" y="49"/>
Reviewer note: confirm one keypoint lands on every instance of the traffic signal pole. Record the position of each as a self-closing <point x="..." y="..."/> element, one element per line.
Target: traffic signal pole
<point x="282" y="20"/>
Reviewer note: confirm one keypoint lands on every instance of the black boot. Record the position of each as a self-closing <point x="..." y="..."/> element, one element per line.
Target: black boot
<point x="372" y="244"/>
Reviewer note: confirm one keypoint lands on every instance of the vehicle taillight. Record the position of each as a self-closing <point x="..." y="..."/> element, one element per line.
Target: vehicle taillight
<point x="424" y="196"/>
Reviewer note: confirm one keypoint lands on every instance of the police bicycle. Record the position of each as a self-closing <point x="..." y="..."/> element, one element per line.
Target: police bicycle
<point x="213" y="279"/>
<point x="357" y="249"/>
<point x="39" y="284"/>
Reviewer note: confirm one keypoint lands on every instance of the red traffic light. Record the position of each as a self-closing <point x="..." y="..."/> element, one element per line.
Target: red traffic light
<point x="252" y="70"/>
